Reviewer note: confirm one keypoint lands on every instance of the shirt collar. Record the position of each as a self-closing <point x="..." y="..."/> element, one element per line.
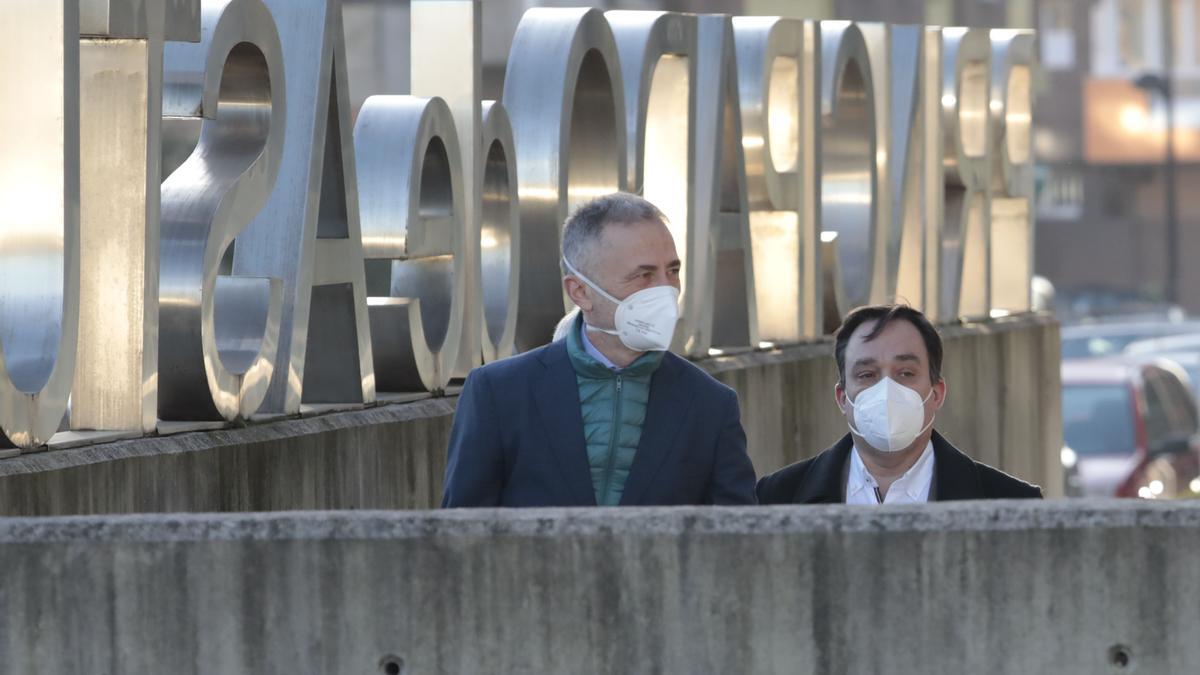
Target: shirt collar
<point x="591" y="349"/>
<point x="914" y="485"/>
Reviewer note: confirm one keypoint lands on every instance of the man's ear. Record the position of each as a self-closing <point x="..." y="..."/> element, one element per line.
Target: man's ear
<point x="577" y="291"/>
<point x="939" y="394"/>
<point x="839" y="396"/>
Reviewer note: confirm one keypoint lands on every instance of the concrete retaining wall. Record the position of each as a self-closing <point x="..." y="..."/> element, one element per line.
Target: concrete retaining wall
<point x="986" y="587"/>
<point x="1003" y="408"/>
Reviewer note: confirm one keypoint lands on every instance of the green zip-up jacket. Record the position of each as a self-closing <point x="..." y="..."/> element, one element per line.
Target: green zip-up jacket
<point x="613" y="404"/>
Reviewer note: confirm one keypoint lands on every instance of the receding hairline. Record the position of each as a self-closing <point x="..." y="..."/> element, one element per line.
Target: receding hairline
<point x="587" y="224"/>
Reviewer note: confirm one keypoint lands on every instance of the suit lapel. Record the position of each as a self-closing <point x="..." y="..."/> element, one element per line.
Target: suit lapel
<point x="556" y="396"/>
<point x="954" y="473"/>
<point x="825" y="482"/>
<point x="664" y="416"/>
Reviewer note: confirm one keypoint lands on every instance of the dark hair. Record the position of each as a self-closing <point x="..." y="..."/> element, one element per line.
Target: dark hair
<point x="587" y="223"/>
<point x="884" y="315"/>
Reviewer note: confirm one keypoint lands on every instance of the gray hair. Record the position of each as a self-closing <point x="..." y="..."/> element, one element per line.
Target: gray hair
<point x="587" y="223"/>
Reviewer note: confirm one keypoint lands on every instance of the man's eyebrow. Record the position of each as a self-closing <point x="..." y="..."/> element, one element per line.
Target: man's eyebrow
<point x="908" y="357"/>
<point x="864" y="362"/>
<point x="640" y="269"/>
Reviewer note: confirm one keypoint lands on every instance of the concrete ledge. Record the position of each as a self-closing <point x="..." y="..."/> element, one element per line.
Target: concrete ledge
<point x="151" y="446"/>
<point x="385" y="457"/>
<point x="977" y="516"/>
<point x="986" y="587"/>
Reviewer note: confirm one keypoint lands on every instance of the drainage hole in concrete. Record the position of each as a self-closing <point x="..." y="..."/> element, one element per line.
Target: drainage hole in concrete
<point x="391" y="665"/>
<point x="1119" y="656"/>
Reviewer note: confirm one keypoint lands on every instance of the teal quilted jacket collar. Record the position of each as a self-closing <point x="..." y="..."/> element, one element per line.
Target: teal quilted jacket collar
<point x="587" y="366"/>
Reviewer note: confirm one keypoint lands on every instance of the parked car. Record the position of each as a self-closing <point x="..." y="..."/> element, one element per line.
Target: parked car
<point x="1110" y="338"/>
<point x="1182" y="349"/>
<point x="1185" y="342"/>
<point x="1131" y="426"/>
<point x="1106" y="304"/>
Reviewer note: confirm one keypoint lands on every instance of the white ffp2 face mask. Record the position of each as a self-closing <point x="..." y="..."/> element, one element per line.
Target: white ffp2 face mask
<point x="889" y="415"/>
<point x="644" y="321"/>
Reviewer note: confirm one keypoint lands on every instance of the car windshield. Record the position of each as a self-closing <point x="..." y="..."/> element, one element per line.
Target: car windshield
<point x="1098" y="419"/>
<point x="1089" y="346"/>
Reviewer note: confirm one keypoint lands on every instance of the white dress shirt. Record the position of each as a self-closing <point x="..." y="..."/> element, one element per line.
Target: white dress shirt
<point x="593" y="352"/>
<point x="911" y="488"/>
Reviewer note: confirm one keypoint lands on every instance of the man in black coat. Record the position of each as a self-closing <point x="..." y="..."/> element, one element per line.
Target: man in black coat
<point x="890" y="388"/>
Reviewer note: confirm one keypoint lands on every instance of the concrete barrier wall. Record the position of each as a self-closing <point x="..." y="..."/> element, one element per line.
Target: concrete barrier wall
<point x="987" y="587"/>
<point x="1003" y="408"/>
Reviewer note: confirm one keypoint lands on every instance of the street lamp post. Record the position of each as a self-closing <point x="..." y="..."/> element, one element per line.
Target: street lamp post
<point x="1162" y="85"/>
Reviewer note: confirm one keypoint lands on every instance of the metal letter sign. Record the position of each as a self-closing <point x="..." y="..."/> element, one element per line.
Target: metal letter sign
<point x="1012" y="170"/>
<point x="658" y="70"/>
<point x="412" y="213"/>
<point x="39" y="200"/>
<point x="776" y="79"/>
<point x="564" y="95"/>
<point x="966" y="129"/>
<point x="500" y="234"/>
<point x="221" y="330"/>
<point x="805" y="167"/>
<point x="308" y="234"/>
<point x="853" y="180"/>
<point x="723" y="266"/>
<point x="121" y="90"/>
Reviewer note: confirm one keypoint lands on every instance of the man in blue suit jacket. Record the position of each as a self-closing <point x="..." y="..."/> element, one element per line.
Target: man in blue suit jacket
<point x="603" y="415"/>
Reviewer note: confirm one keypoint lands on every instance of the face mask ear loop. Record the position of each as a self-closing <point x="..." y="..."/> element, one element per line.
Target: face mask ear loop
<point x="594" y="287"/>
<point x="851" y="402"/>
<point x="589" y="282"/>
<point x="856" y="431"/>
<point x="927" y="427"/>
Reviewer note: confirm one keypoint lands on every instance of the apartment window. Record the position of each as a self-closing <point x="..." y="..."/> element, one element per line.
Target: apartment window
<point x="1057" y="32"/>
<point x="1187" y="46"/>
<point x="1126" y="37"/>
<point x="1059" y="193"/>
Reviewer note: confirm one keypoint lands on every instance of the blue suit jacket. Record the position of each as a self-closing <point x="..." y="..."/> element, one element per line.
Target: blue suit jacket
<point x="518" y="438"/>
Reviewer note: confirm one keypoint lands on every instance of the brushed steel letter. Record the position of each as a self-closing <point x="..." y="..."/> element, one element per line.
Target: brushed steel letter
<point x="563" y="93"/>
<point x="1012" y="170"/>
<point x="500" y="234"/>
<point x="966" y="133"/>
<point x="854" y="153"/>
<point x="39" y="200"/>
<point x="308" y="233"/>
<point x="411" y="191"/>
<point x="220" y="330"/>
<point x="728" y="317"/>
<point x="121" y="89"/>
<point x="777" y="79"/>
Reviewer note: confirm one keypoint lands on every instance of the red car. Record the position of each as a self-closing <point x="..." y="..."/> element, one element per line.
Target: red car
<point x="1131" y="426"/>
